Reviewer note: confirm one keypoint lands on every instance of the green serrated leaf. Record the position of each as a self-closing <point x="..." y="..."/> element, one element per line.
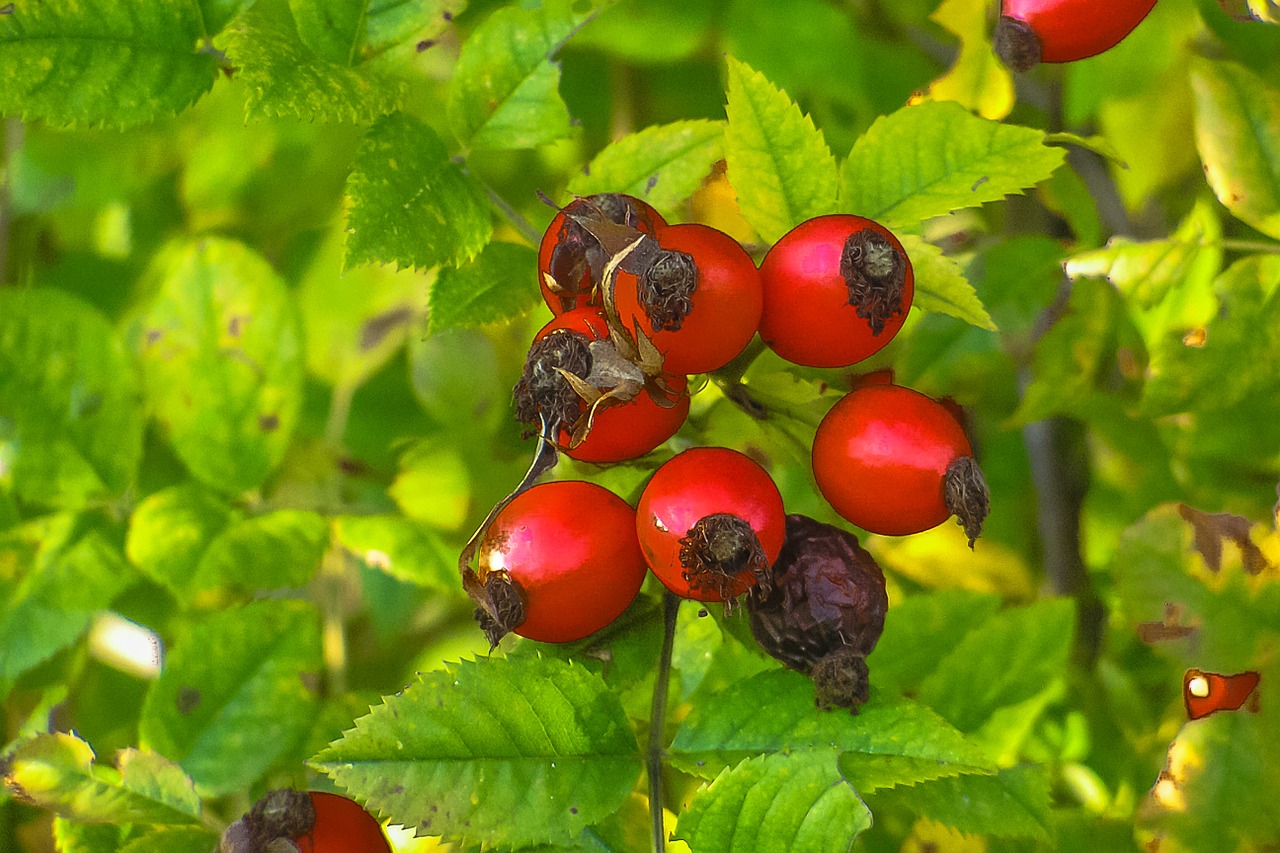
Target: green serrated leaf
<point x="505" y="91"/>
<point x="226" y="718"/>
<point x="497" y="285"/>
<point x="1238" y="135"/>
<point x="356" y="319"/>
<point x="796" y="803"/>
<point x="933" y="158"/>
<point x="285" y="78"/>
<point x="663" y="164"/>
<point x="221" y="351"/>
<point x="493" y="751"/>
<point x="941" y="285"/>
<point x="400" y="547"/>
<point x="216" y="14"/>
<point x="922" y="624"/>
<point x="778" y="162"/>
<point x="169" y="532"/>
<point x="69" y="63"/>
<point x="1009" y="658"/>
<point x="774" y="711"/>
<point x="1230" y="358"/>
<point x="1146" y="271"/>
<point x="1011" y="804"/>
<point x="408" y="204"/>
<point x="56" y="573"/>
<point x="70" y="415"/>
<point x="57" y="772"/>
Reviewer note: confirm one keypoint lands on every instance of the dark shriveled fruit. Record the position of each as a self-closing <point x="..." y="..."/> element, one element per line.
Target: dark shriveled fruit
<point x="825" y="611"/>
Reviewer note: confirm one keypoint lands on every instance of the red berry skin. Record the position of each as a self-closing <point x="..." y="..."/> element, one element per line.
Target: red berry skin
<point x="726" y="304"/>
<point x="1077" y="29"/>
<point x="624" y="431"/>
<point x="807" y="317"/>
<point x="880" y="457"/>
<point x="341" y="826"/>
<point x="699" y="482"/>
<point x="571" y="547"/>
<point x="579" y="291"/>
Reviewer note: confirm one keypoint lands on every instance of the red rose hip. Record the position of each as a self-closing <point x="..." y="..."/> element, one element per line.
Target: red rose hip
<point x="1033" y="31"/>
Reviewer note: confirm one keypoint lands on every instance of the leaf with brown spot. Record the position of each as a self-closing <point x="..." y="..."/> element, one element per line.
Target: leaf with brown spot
<point x="1213" y="529"/>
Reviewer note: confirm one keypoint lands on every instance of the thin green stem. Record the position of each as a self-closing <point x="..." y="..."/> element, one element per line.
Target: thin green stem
<point x="658" y="718"/>
<point x="1249" y="246"/>
<point x="515" y="217"/>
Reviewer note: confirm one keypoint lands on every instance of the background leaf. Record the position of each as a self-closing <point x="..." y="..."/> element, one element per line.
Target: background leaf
<point x="70" y="414"/>
<point x="408" y="204"/>
<point x="221" y="353"/>
<point x="957" y="160"/>
<point x="1012" y="804"/>
<point x="493" y="287"/>
<point x="501" y="752"/>
<point x="57" y="772"/>
<point x="170" y="532"/>
<point x="779" y="163"/>
<point x="775" y="802"/>
<point x="1238" y="134"/>
<point x="505" y="89"/>
<point x="125" y="64"/>
<point x="226" y="718"/>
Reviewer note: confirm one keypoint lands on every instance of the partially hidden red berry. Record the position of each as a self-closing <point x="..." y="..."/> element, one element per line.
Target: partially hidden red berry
<point x="710" y="523"/>
<point x="560" y="562"/>
<point x="577" y="343"/>
<point x="837" y="288"/>
<point x="699" y="302"/>
<point x="894" y="461"/>
<point x="570" y="260"/>
<point x="825" y="611"/>
<point x="1033" y="31"/>
<point x="285" y="821"/>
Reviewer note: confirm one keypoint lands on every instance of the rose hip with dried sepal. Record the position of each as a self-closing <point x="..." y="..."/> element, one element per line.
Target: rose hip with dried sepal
<point x="824" y="612"/>
<point x="287" y="821"/>
<point x="1033" y="31"/>
<point x="571" y="260"/>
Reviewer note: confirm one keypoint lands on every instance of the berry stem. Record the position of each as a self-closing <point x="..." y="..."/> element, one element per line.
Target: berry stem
<point x="658" y="718"/>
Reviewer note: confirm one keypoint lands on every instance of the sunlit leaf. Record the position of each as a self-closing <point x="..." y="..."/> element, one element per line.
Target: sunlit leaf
<point x="269" y="551"/>
<point x="126" y="63"/>
<point x="779" y="163"/>
<point x="797" y="803"/>
<point x="505" y="88"/>
<point x="501" y="752"/>
<point x="402" y="548"/>
<point x="170" y="531"/>
<point x="663" y="164"/>
<point x="978" y="80"/>
<point x="931" y="159"/>
<point x="221" y="351"/>
<point x="58" y="773"/>
<point x="226" y="718"/>
<point x="409" y="204"/>
<point x="941" y="286"/>
<point x="70" y="414"/>
<point x="1238" y="134"/>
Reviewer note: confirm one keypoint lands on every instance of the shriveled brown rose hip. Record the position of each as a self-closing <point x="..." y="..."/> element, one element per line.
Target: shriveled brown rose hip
<point x="825" y="611"/>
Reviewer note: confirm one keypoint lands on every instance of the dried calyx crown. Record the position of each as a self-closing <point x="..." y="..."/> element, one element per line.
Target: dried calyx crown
<point x="875" y="272"/>
<point x="722" y="554"/>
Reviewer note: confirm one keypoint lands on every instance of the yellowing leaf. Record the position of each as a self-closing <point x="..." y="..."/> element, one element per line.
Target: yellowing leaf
<point x="977" y="80"/>
<point x="940" y="559"/>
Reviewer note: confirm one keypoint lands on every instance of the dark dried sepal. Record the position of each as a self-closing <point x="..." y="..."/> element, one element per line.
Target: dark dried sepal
<point x="875" y="273"/>
<point x="270" y="825"/>
<point x="721" y="554"/>
<point x="541" y="389"/>
<point x="504" y="608"/>
<point x="666" y="290"/>
<point x="1017" y="44"/>
<point x="967" y="495"/>
<point x="841" y="680"/>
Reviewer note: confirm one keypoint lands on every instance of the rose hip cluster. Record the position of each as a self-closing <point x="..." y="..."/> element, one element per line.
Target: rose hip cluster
<point x="638" y="306"/>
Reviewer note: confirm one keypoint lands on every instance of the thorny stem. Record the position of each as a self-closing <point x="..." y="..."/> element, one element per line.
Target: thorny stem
<point x="658" y="718"/>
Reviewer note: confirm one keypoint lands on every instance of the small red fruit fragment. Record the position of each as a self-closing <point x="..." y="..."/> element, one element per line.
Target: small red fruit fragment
<point x="1205" y="693"/>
